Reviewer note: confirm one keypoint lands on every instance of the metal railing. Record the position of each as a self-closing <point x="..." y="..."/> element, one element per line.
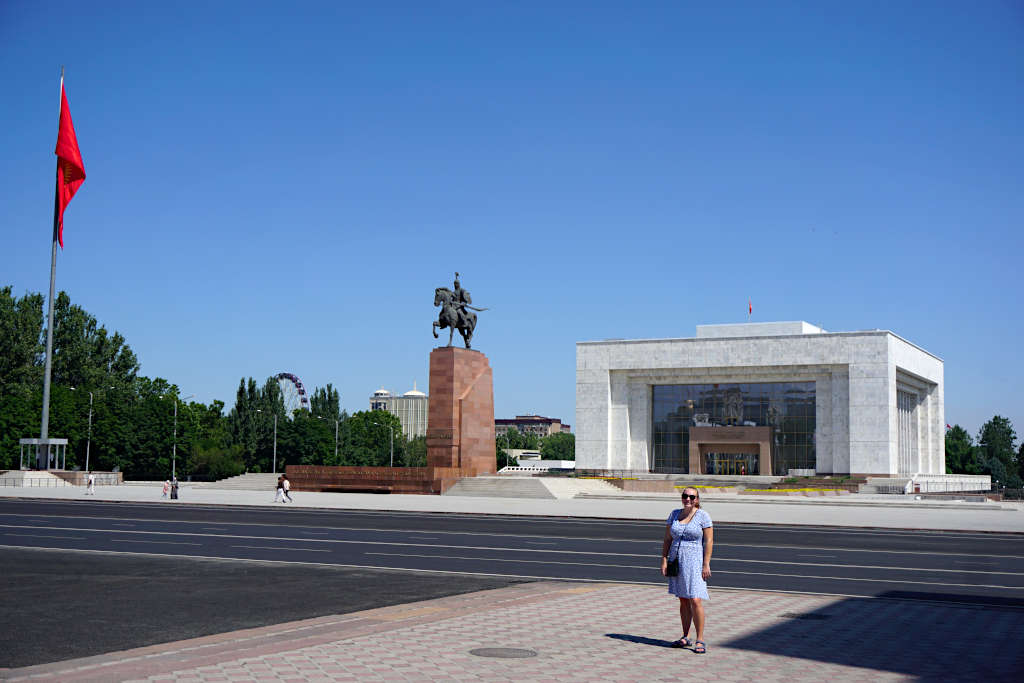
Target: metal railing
<point x="890" y="489"/>
<point x="34" y="483"/>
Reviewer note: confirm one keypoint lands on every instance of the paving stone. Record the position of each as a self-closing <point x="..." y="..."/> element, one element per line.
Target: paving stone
<point x="615" y="632"/>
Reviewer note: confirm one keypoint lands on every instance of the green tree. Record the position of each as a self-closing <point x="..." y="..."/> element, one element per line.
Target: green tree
<point x="311" y="440"/>
<point x="214" y="461"/>
<point x="503" y="443"/>
<point x="997" y="440"/>
<point x="959" y="447"/>
<point x="415" y="452"/>
<point x="561" y="446"/>
<point x="368" y="439"/>
<point x="20" y="413"/>
<point x="21" y="353"/>
<point x="1020" y="462"/>
<point x="513" y="438"/>
<point x="326" y="402"/>
<point x="84" y="353"/>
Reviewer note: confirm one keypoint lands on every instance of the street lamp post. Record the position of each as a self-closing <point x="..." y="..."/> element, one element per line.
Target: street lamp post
<point x="174" y="439"/>
<point x="391" y="433"/>
<point x="275" y="440"/>
<point x="88" y="441"/>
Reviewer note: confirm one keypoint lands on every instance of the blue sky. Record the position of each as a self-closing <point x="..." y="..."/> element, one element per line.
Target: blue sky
<point x="278" y="188"/>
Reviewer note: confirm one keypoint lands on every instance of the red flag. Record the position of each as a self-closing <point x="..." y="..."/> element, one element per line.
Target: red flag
<point x="70" y="171"/>
<point x="750" y="307"/>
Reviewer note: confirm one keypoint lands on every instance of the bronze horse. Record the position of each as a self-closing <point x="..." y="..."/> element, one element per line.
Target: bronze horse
<point x="449" y="317"/>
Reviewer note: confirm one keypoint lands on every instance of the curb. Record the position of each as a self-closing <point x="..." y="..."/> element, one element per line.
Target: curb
<point x="819" y="501"/>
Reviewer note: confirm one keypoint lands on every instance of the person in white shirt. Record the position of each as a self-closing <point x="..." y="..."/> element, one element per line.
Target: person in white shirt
<point x="286" y="486"/>
<point x="90" y="489"/>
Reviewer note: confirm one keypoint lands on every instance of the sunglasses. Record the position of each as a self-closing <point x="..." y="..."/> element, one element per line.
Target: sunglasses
<point x="690" y="496"/>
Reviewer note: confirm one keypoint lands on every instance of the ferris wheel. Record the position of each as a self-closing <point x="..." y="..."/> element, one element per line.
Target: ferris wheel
<point x="293" y="393"/>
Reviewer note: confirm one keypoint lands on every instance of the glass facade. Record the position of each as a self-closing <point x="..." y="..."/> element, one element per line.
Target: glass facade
<point x="787" y="407"/>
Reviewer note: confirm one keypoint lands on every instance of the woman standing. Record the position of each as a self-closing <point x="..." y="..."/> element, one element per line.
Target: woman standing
<point x="688" y="540"/>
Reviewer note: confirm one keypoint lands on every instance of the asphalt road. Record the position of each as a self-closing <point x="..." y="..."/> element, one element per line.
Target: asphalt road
<point x="165" y="572"/>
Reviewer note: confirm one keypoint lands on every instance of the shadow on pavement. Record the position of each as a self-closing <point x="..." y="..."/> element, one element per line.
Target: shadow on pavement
<point x="928" y="640"/>
<point x="656" y="642"/>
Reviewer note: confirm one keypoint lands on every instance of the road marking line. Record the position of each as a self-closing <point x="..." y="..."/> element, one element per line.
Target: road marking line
<point x="939" y="552"/>
<point x="716" y="571"/>
<point x="568" y="579"/>
<point x="865" y="566"/>
<point x="74" y="538"/>
<point x="832" y="531"/>
<point x="655" y="542"/>
<point x="500" y="549"/>
<point x="912" y="534"/>
<point x="274" y="547"/>
<point x="841" y="578"/>
<point x="135" y="540"/>
<point x="651" y="566"/>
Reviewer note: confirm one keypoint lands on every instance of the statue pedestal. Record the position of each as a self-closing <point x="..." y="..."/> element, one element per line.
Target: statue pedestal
<point x="460" y="424"/>
<point x="460" y="435"/>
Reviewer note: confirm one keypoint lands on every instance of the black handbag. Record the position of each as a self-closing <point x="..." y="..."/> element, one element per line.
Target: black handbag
<point x="673" y="568"/>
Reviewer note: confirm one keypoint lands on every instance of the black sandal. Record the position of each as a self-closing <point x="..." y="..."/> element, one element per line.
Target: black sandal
<point x="682" y="642"/>
<point x="699" y="647"/>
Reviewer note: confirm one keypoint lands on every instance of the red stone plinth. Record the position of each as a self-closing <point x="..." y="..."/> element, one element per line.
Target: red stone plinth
<point x="460" y="424"/>
<point x="424" y="480"/>
<point x="460" y="435"/>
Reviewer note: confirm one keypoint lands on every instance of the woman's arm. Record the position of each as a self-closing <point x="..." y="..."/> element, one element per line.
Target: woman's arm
<point x="666" y="543"/>
<point x="709" y="540"/>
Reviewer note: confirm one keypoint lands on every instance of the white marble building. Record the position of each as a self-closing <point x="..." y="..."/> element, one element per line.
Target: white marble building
<point x="865" y="403"/>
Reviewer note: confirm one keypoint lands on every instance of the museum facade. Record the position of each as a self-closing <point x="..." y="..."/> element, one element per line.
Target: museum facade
<point x="761" y="398"/>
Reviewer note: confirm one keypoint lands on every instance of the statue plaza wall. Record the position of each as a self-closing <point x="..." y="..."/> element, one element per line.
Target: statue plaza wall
<point x="859" y="379"/>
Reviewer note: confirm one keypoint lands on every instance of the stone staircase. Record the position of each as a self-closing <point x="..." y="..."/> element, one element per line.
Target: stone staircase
<point x="572" y="487"/>
<point x="500" y="487"/>
<point x="243" y="482"/>
<point x="820" y="483"/>
<point x="885" y="485"/>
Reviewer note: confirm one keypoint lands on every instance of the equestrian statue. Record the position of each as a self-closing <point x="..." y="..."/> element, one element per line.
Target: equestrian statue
<point x="456" y="312"/>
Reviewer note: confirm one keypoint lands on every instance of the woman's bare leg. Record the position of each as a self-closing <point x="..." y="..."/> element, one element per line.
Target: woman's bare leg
<point x="684" y="615"/>
<point x="697" y="608"/>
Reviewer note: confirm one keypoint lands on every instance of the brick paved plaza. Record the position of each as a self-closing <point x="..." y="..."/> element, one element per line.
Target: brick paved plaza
<point x="614" y="632"/>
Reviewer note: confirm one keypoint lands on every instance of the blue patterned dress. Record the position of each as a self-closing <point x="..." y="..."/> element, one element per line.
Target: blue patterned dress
<point x="688" y="546"/>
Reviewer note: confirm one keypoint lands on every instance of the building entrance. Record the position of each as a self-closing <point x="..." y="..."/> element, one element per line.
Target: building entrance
<point x="731" y="463"/>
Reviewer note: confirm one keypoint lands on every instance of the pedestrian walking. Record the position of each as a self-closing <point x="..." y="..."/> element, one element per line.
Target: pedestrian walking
<point x="90" y="487"/>
<point x="286" y="486"/>
<point x="167" y="488"/>
<point x="686" y="561"/>
<point x="174" y="489"/>
<point x="279" y="496"/>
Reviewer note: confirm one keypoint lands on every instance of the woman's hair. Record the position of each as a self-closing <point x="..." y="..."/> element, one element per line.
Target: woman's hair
<point x="696" y="503"/>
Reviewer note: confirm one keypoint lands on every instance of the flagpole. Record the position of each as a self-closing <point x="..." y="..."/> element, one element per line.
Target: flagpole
<point x="44" y="432"/>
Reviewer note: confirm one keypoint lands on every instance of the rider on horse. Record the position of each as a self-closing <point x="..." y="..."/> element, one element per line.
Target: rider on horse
<point x="460" y="300"/>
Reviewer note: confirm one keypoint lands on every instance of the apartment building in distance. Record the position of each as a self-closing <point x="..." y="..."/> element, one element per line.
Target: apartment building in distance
<point x="531" y="424"/>
<point x="410" y="408"/>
